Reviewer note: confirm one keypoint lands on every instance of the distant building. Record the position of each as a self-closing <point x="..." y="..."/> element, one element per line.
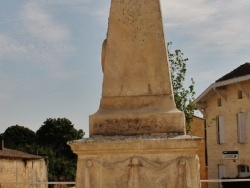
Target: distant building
<point x="226" y="108"/>
<point x="20" y="167"/>
<point x="198" y="129"/>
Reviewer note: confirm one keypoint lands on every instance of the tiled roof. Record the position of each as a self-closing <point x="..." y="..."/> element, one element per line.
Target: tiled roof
<point x="240" y="74"/>
<point x="10" y="153"/>
<point x="239" y="71"/>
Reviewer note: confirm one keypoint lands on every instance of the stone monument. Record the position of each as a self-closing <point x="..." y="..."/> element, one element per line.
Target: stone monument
<point x="137" y="137"/>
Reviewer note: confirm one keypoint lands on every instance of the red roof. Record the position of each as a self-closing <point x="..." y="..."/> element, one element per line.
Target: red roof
<point x="10" y="153"/>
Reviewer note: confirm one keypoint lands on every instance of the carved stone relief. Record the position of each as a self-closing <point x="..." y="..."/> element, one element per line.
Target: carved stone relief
<point x="139" y="172"/>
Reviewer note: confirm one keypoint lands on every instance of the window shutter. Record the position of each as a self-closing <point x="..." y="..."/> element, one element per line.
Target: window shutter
<point x="241" y="127"/>
<point x="220" y="127"/>
<point x="248" y="126"/>
<point x="221" y="173"/>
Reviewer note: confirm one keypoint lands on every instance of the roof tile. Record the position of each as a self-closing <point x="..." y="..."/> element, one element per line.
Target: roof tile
<point x="239" y="71"/>
<point x="10" y="153"/>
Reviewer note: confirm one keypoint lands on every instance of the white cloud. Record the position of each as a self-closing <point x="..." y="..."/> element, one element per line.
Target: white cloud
<point x="181" y="13"/>
<point x="6" y="90"/>
<point x="36" y="37"/>
<point x="4" y="96"/>
<point x="43" y="54"/>
<point x="66" y="2"/>
<point x="10" y="47"/>
<point x="205" y="76"/>
<point x="214" y="25"/>
<point x="101" y="12"/>
<point x="73" y="3"/>
<point x="40" y="24"/>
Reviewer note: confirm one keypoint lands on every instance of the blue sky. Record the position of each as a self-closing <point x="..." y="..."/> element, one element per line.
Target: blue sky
<point x="50" y="52"/>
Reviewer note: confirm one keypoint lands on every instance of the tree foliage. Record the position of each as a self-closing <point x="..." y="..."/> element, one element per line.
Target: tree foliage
<point x="54" y="132"/>
<point x="52" y="139"/>
<point x="19" y="137"/>
<point x="1" y="137"/>
<point x="184" y="97"/>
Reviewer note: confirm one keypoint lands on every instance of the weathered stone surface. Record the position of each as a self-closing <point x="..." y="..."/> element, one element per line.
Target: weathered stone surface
<point x="21" y="170"/>
<point x="137" y="99"/>
<point x="136" y="58"/>
<point x="137" y="161"/>
<point x="136" y="123"/>
<point x="136" y="74"/>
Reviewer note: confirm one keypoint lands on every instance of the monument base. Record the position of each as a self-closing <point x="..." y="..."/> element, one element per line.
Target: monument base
<point x="138" y="115"/>
<point x="137" y="161"/>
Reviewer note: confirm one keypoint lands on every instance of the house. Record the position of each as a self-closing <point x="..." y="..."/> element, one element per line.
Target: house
<point x="225" y="105"/>
<point x="198" y="129"/>
<point x="18" y="167"/>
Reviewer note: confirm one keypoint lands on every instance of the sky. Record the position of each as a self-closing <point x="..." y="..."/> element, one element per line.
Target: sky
<point x="50" y="53"/>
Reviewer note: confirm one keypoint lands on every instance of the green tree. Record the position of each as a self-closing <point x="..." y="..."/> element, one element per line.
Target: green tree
<point x="184" y="97"/>
<point x="52" y="139"/>
<point x="19" y="137"/>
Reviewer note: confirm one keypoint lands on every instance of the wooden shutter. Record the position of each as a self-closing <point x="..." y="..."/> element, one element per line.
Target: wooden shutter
<point x="241" y="120"/>
<point x="220" y="128"/>
<point x="221" y="173"/>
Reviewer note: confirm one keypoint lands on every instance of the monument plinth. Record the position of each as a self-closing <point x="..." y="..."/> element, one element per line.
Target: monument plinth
<point x="137" y="137"/>
<point x="137" y="95"/>
<point x="137" y="162"/>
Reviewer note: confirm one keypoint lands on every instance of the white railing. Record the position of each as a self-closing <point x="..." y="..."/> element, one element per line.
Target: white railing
<point x="37" y="183"/>
<point x="73" y="183"/>
<point x="223" y="180"/>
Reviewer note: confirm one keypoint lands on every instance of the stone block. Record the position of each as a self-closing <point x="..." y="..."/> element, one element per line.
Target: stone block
<point x="137" y="161"/>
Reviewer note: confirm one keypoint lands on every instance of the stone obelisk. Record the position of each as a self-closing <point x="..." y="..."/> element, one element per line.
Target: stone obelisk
<point x="137" y="95"/>
<point x="137" y="137"/>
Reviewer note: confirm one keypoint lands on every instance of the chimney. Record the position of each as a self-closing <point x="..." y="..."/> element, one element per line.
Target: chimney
<point x="2" y="145"/>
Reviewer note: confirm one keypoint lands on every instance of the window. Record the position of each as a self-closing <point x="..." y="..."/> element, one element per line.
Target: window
<point x="221" y="173"/>
<point x="241" y="121"/>
<point x="220" y="130"/>
<point x="243" y="170"/>
<point x="219" y="102"/>
<point x="240" y="94"/>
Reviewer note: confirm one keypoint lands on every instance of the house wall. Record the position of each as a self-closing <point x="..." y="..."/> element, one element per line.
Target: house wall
<point x="230" y="107"/>
<point x="197" y="129"/>
<point x="19" y="170"/>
